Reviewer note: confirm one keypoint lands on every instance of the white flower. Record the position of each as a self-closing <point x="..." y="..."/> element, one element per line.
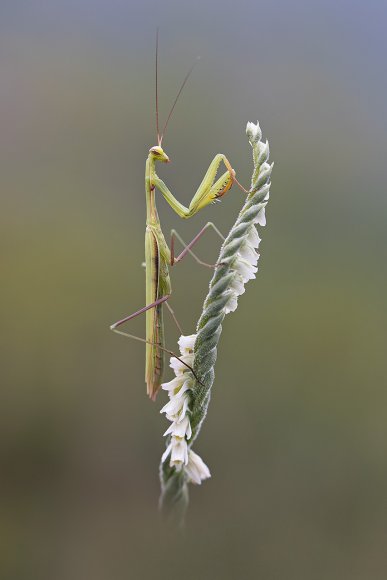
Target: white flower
<point x="186" y="344"/>
<point x="180" y="428"/>
<point x="248" y="253"/>
<point x="166" y="452"/>
<point x="261" y="217"/>
<point x="179" y="452"/>
<point x="237" y="285"/>
<point x="245" y="269"/>
<point x="196" y="469"/>
<point x="174" y="384"/>
<point x="178" y="449"/>
<point x="177" y="406"/>
<point x="253" y="238"/>
<point x="178" y="366"/>
<point x="232" y="303"/>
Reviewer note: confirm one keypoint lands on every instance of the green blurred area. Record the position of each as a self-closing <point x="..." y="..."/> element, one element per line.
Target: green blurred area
<point x="296" y="436"/>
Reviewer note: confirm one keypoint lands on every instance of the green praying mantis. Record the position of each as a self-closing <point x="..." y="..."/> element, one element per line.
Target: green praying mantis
<point x="158" y="256"/>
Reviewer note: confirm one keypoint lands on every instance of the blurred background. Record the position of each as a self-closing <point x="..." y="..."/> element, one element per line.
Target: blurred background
<point x="296" y="436"/>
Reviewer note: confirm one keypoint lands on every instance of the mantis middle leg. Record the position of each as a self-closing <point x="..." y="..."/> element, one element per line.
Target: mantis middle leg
<point x="188" y="247"/>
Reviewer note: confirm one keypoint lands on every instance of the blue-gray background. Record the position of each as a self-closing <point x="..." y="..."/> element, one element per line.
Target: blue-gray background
<point x="296" y="434"/>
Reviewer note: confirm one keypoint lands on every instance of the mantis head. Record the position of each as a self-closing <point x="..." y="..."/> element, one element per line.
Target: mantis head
<point x="158" y="154"/>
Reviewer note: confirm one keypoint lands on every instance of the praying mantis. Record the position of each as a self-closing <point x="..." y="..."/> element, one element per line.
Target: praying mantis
<point x="158" y="256"/>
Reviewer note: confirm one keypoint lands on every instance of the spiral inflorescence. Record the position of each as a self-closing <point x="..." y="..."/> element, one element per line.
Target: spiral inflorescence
<point x="236" y="265"/>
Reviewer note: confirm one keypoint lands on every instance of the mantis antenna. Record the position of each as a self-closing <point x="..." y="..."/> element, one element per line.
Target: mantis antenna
<point x="157" y="84"/>
<point x="177" y="98"/>
<point x="160" y="137"/>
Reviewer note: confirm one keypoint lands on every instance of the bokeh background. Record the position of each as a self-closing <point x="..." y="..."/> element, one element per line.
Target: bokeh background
<point x="296" y="436"/>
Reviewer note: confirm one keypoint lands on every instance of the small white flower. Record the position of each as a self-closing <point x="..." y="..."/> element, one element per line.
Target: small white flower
<point x="248" y="253"/>
<point x="186" y="344"/>
<point x="176" y="408"/>
<point x="166" y="452"/>
<point x="180" y="428"/>
<point x="177" y="365"/>
<point x="232" y="303"/>
<point x="174" y="384"/>
<point x="196" y="469"/>
<point x="253" y="238"/>
<point x="261" y="217"/>
<point x="245" y="266"/>
<point x="246" y="270"/>
<point x="179" y="451"/>
<point x="237" y="284"/>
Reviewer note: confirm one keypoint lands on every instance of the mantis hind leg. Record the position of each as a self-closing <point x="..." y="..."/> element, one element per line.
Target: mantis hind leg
<point x="114" y="327"/>
<point x="154" y="343"/>
<point x="170" y="310"/>
<point x="161" y="300"/>
<point x="138" y="312"/>
<point x="157" y="303"/>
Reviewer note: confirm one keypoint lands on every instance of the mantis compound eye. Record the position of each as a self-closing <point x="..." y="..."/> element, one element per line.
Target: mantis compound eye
<point x="159" y="154"/>
<point x="157" y="151"/>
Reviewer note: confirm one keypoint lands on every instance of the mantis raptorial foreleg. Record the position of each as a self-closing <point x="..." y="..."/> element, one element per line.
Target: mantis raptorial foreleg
<point x="207" y="192"/>
<point x="187" y="247"/>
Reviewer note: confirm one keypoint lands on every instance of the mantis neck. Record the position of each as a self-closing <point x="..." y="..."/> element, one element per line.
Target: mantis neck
<point x="152" y="217"/>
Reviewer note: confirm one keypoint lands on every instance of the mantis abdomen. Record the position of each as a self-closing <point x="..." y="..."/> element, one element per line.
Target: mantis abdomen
<point x="157" y="285"/>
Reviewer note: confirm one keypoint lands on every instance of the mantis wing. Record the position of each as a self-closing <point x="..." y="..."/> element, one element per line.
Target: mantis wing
<point x="154" y="358"/>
